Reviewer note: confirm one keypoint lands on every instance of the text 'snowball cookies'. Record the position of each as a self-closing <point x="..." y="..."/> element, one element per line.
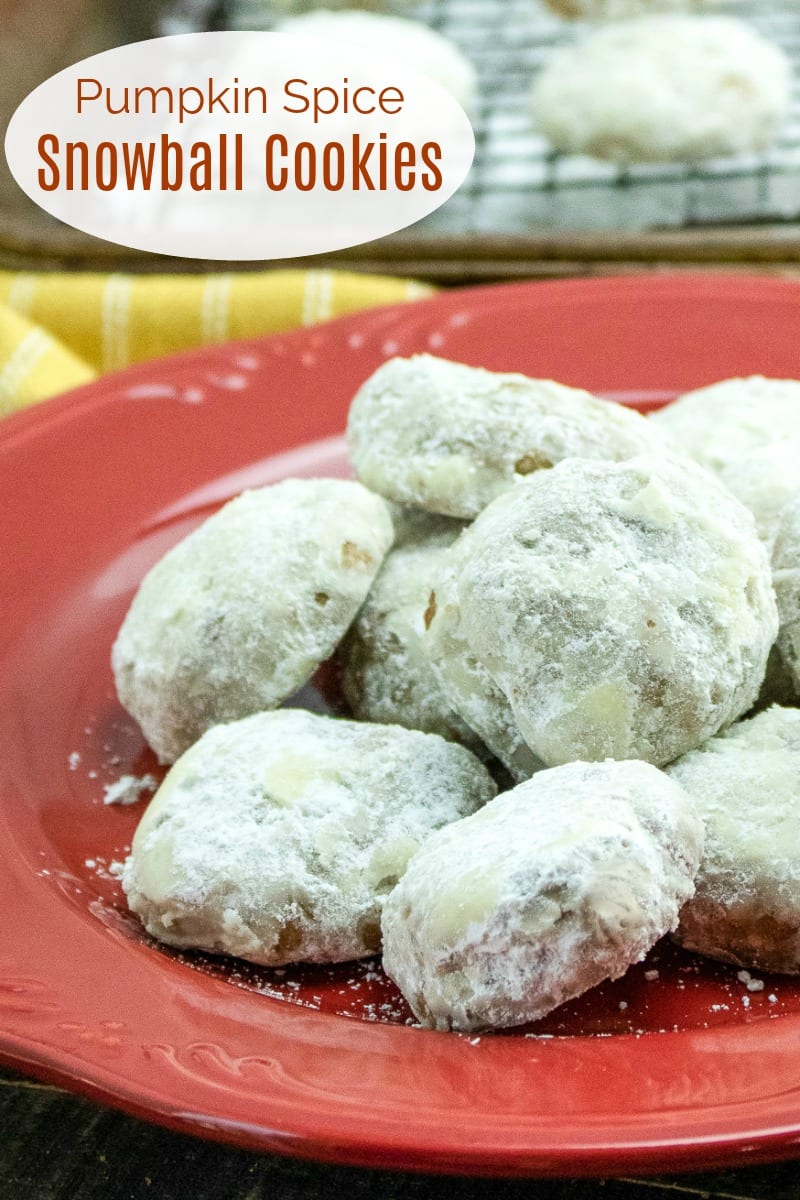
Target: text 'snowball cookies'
<point x="746" y="784"/>
<point x="277" y="838"/>
<point x="551" y="888"/>
<point x="624" y="609"/>
<point x="786" y="578"/>
<point x="410" y="41"/>
<point x="387" y="673"/>
<point x="747" y="431"/>
<point x="238" y="616"/>
<point x="450" y="438"/>
<point x="663" y="88"/>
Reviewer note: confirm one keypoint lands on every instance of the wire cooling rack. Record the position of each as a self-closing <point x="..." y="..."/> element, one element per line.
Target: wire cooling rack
<point x="518" y="185"/>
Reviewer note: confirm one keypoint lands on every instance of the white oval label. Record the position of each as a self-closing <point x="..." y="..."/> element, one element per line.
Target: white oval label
<point x="239" y="145"/>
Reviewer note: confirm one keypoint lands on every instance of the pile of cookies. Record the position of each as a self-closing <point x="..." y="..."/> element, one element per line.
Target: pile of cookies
<point x="529" y="589"/>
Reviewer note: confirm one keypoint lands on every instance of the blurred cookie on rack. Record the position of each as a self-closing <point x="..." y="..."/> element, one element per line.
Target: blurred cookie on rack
<point x="421" y="47"/>
<point x="664" y="88"/>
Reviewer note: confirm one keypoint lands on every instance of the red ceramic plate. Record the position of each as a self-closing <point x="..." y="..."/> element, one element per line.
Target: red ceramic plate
<point x="681" y="1069"/>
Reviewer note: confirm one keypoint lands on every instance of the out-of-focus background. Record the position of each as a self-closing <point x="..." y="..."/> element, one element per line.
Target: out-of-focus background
<point x="525" y="210"/>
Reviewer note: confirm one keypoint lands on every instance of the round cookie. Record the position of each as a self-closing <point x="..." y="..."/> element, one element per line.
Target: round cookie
<point x="239" y="615"/>
<point x="449" y="438"/>
<point x="549" y="889"/>
<point x="778" y="686"/>
<point x="277" y="838"/>
<point x="419" y="45"/>
<point x="664" y="88"/>
<point x="746" y="785"/>
<point x="465" y="682"/>
<point x="625" y="610"/>
<point x="387" y="675"/>
<point x="747" y="431"/>
<point x="786" y="578"/>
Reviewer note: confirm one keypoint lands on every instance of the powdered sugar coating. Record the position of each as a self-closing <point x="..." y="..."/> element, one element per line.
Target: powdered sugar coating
<point x="387" y="674"/>
<point x="450" y="438"/>
<point x="746" y="784"/>
<point x="747" y="431"/>
<point x="410" y="41"/>
<point x="786" y="578"/>
<point x="277" y="838"/>
<point x="624" y="609"/>
<point x="239" y="614"/>
<point x="549" y="889"/>
<point x="464" y="680"/>
<point x="664" y="87"/>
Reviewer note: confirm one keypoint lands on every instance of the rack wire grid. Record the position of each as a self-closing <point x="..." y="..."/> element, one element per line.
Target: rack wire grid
<point x="518" y="184"/>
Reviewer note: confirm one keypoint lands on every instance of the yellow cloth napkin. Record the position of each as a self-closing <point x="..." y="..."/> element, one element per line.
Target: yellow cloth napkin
<point x="59" y="330"/>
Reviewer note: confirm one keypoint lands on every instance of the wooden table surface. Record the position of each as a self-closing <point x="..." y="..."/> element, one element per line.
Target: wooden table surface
<point x="55" y="1146"/>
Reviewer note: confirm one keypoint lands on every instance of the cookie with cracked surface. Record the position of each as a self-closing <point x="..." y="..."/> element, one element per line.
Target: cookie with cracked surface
<point x="466" y="683"/>
<point x="625" y="610"/>
<point x="239" y="615"/>
<point x="546" y="891"/>
<point x="746" y="785"/>
<point x="450" y="438"/>
<point x="278" y="837"/>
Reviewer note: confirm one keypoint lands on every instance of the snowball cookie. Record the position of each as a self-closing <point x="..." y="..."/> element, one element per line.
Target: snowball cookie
<point x="450" y="438"/>
<point x="464" y="680"/>
<point x="277" y="838"/>
<point x="420" y="46"/>
<point x="786" y="577"/>
<point x="748" y="432"/>
<point x="387" y="673"/>
<point x="239" y="615"/>
<point x="551" y="888"/>
<point x="663" y="88"/>
<point x="625" y="610"/>
<point x="778" y="686"/>
<point x="746" y="784"/>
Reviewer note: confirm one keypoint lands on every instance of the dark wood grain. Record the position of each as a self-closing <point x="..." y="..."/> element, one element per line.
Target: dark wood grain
<point x="55" y="1146"/>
